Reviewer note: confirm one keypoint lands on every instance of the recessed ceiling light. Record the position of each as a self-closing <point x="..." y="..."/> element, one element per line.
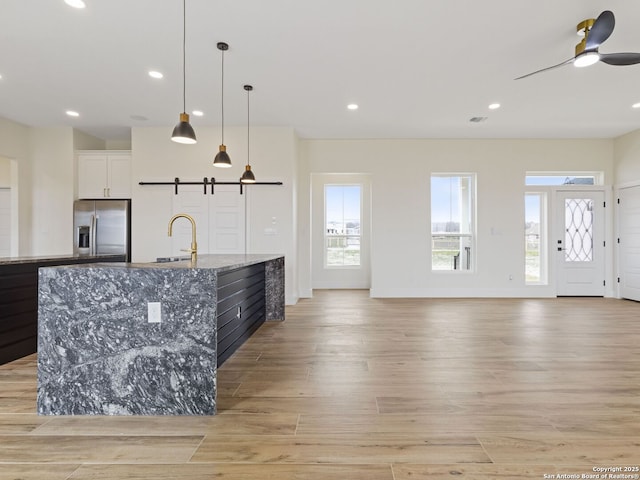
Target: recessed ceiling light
<point x="494" y="106"/>
<point x="198" y="113"/>
<point x="352" y="106"/>
<point x="75" y="3"/>
<point x="72" y="113"/>
<point x="636" y="105"/>
<point x="155" y="74"/>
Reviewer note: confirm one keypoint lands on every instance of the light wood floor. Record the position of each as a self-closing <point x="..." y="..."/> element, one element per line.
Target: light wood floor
<point x="354" y="388"/>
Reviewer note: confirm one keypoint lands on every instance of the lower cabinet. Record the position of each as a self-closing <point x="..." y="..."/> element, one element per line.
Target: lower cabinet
<point x="19" y="304"/>
<point x="241" y="307"/>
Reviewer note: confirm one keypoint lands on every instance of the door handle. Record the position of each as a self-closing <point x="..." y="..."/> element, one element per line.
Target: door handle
<point x="93" y="236"/>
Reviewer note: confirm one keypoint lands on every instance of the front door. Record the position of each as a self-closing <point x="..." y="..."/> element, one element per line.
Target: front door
<point x="579" y="243"/>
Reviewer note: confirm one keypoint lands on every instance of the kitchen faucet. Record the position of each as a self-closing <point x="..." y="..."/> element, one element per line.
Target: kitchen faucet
<point x="194" y="246"/>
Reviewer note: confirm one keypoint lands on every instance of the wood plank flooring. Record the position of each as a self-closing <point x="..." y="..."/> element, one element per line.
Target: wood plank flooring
<point x="355" y="388"/>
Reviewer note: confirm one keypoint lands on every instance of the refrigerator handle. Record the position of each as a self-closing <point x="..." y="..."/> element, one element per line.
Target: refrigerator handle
<point x="94" y="224"/>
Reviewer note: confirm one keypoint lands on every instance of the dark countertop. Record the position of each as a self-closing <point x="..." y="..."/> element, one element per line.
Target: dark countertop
<point x="53" y="258"/>
<point x="215" y="262"/>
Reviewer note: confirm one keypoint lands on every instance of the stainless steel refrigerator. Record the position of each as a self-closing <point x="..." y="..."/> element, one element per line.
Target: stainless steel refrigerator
<point x="102" y="227"/>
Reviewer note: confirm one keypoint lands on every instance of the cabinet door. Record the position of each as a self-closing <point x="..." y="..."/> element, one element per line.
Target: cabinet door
<point x="119" y="176"/>
<point x="92" y="176"/>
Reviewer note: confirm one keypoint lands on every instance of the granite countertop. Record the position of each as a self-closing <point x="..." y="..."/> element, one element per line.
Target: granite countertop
<point x="215" y="262"/>
<point x="53" y="258"/>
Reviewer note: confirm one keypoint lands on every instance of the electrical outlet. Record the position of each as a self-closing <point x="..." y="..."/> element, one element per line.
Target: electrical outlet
<point x="154" y="312"/>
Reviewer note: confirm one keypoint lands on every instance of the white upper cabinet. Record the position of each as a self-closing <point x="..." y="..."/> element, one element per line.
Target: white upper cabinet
<point x="104" y="174"/>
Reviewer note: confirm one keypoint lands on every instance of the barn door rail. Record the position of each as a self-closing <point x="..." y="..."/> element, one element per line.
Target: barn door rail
<point x="205" y="182"/>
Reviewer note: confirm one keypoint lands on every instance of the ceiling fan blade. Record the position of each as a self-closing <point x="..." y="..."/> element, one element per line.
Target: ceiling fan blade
<point x="545" y="69"/>
<point x="601" y="30"/>
<point x="620" y="58"/>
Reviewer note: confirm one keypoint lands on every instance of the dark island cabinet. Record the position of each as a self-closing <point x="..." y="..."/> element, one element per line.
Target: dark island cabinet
<point x="240" y="307"/>
<point x="19" y="301"/>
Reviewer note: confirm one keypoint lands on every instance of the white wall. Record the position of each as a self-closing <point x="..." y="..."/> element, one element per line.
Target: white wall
<point x="117" y="145"/>
<point x="14" y="145"/>
<point x="5" y="172"/>
<point x="401" y="169"/>
<point x="84" y="141"/>
<point x="14" y="139"/>
<point x="157" y="158"/>
<point x="627" y="158"/>
<point x="43" y="175"/>
<point x="53" y="181"/>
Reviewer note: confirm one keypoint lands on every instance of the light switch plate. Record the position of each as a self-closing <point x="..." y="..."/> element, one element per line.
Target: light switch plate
<point x="154" y="314"/>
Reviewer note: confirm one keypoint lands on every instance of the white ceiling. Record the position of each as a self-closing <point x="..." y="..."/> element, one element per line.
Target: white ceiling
<point x="417" y="68"/>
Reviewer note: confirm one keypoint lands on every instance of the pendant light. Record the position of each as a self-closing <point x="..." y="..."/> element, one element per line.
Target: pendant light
<point x="222" y="158"/>
<point x="248" y="176"/>
<point x="183" y="132"/>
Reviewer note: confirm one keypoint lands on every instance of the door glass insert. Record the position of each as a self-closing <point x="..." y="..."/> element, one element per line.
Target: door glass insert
<point x="578" y="237"/>
<point x="342" y="225"/>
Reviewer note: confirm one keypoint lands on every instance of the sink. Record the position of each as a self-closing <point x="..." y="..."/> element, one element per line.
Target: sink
<point x="171" y="259"/>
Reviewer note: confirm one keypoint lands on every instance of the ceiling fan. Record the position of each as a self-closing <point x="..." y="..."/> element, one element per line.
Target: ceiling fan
<point x="595" y="32"/>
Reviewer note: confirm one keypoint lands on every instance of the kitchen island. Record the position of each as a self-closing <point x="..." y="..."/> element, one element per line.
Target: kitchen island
<point x="147" y="338"/>
<point x="19" y="299"/>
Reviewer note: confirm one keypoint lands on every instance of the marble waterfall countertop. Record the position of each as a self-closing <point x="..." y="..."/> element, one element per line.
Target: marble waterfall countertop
<point x="54" y="258"/>
<point x="101" y="351"/>
<point x="217" y="262"/>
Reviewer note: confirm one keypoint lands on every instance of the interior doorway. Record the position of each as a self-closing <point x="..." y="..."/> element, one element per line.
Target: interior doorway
<point x="340" y="231"/>
<point x="9" y="225"/>
<point x="5" y="222"/>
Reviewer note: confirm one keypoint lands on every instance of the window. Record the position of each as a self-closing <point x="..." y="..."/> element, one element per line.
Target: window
<point x="556" y="179"/>
<point x="535" y="238"/>
<point x="452" y="222"/>
<point x="342" y="219"/>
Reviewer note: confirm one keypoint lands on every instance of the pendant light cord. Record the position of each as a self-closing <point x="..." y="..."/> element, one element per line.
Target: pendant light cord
<point x="222" y="102"/>
<point x="184" y="56"/>
<point x="248" y="157"/>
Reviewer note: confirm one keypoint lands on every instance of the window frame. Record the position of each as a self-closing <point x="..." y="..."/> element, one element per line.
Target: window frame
<point x="326" y="237"/>
<point x="471" y="234"/>
<point x="543" y="236"/>
<point x="598" y="177"/>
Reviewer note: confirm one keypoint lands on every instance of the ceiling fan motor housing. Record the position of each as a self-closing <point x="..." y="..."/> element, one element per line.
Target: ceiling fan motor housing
<point x="583" y="29"/>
